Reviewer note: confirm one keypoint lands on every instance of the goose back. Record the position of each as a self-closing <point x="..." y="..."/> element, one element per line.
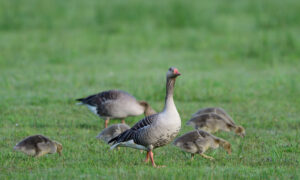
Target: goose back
<point x="210" y="122"/>
<point x="115" y="104"/>
<point x="216" y="110"/>
<point x="112" y="131"/>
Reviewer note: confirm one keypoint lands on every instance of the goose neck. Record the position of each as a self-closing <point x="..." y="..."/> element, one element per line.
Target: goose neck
<point x="169" y="102"/>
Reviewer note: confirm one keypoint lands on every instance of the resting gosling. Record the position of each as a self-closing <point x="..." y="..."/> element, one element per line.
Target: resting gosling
<point x="112" y="131"/>
<point x="219" y="120"/>
<point x="198" y="141"/>
<point x="38" y="145"/>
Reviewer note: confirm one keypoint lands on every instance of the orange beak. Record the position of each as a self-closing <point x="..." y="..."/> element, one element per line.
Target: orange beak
<point x="176" y="72"/>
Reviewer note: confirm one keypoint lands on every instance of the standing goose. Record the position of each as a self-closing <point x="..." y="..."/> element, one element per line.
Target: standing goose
<point x="112" y="131"/>
<point x="38" y="145"/>
<point x="115" y="104"/>
<point x="156" y="130"/>
<point x="198" y="141"/>
<point x="221" y="117"/>
<point x="212" y="123"/>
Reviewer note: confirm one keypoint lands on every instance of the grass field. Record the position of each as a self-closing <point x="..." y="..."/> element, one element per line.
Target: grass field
<point x="239" y="55"/>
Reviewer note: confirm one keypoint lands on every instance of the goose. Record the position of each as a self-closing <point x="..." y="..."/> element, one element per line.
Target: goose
<point x="38" y="145"/>
<point x="112" y="131"/>
<point x="199" y="141"/>
<point x="115" y="104"/>
<point x="155" y="130"/>
<point x="214" y="119"/>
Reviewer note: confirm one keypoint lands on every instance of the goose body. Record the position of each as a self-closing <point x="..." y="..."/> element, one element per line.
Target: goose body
<point x="115" y="104"/>
<point x="155" y="130"/>
<point x="38" y="145"/>
<point x="112" y="131"/>
<point x="213" y="120"/>
<point x="199" y="141"/>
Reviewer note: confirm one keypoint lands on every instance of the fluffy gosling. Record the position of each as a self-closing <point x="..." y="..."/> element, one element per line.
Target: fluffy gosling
<point x="38" y="145"/>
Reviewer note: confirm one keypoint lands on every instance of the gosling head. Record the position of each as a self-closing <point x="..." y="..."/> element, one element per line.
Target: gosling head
<point x="226" y="145"/>
<point x="148" y="109"/>
<point x="240" y="131"/>
<point x="59" y="147"/>
<point x="177" y="143"/>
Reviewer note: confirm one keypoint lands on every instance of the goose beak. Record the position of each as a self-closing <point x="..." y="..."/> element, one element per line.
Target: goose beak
<point x="176" y="72"/>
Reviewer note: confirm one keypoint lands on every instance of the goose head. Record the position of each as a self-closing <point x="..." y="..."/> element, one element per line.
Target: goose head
<point x="59" y="147"/>
<point x="240" y="131"/>
<point x="148" y="109"/>
<point x="226" y="145"/>
<point x="173" y="72"/>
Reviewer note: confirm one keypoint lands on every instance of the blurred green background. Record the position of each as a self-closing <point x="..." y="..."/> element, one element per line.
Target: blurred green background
<point x="239" y="55"/>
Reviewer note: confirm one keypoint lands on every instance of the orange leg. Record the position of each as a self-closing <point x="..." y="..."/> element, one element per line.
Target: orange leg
<point x="123" y="121"/>
<point x="147" y="157"/>
<point x="106" y="122"/>
<point x="151" y="157"/>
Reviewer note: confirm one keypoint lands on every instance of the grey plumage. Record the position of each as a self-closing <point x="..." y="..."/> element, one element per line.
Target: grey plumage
<point x="216" y="110"/>
<point x="155" y="130"/>
<point x="116" y="104"/>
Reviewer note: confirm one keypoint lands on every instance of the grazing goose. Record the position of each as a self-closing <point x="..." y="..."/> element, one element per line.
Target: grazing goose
<point x="198" y="141"/>
<point x="156" y="130"/>
<point x="115" y="104"/>
<point x="214" y="119"/>
<point x="38" y="145"/>
<point x="112" y="131"/>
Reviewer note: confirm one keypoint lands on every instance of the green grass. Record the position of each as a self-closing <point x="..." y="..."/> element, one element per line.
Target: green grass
<point x="239" y="55"/>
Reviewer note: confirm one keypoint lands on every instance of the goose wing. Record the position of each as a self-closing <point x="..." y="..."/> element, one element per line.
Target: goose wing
<point x="100" y="98"/>
<point x="130" y="133"/>
<point x="202" y="119"/>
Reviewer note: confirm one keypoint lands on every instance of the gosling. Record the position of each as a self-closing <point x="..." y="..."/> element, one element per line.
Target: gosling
<point x="213" y="120"/>
<point x="38" y="145"/>
<point x="112" y="132"/>
<point x="199" y="141"/>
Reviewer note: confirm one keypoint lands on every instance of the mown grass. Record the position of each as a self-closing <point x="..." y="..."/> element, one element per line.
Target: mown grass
<point x="239" y="55"/>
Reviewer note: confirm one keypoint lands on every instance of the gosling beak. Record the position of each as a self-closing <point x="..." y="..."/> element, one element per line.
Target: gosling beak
<point x="229" y="152"/>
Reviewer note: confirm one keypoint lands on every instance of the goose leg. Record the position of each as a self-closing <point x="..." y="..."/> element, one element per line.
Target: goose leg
<point x="123" y="121"/>
<point x="147" y="157"/>
<point x="106" y="122"/>
<point x="207" y="157"/>
<point x="151" y="157"/>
